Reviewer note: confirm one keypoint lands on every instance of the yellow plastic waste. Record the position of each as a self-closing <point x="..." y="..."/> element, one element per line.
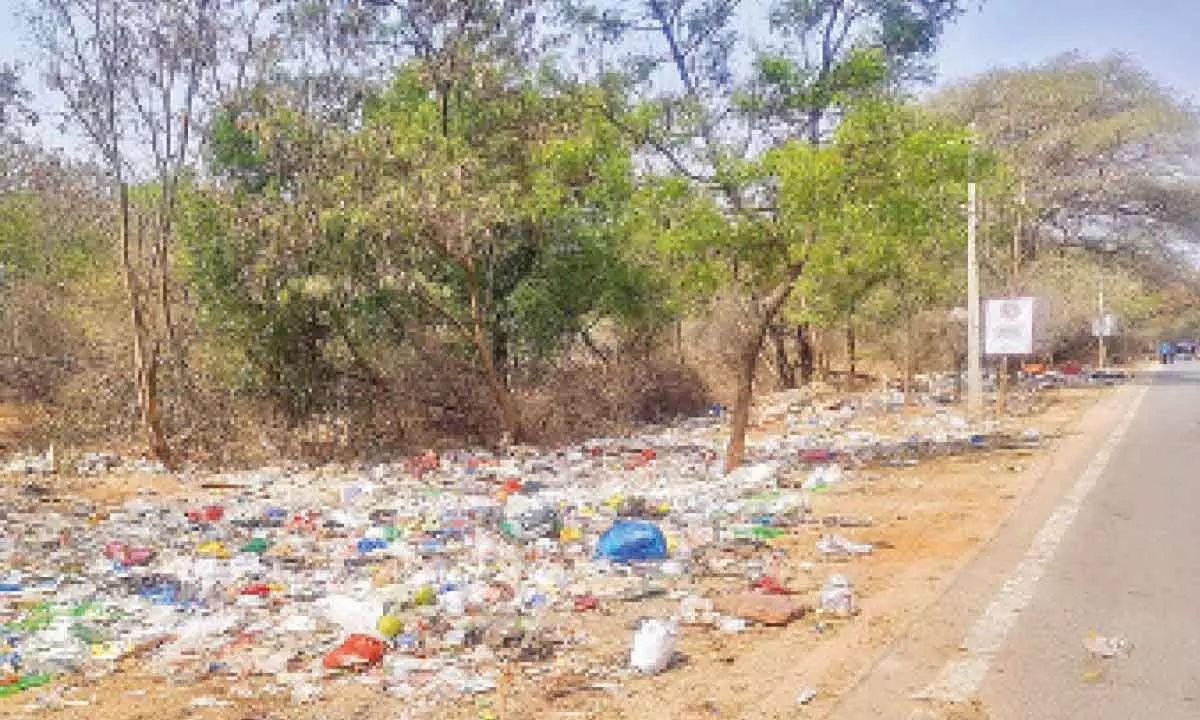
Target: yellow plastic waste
<point x="570" y="534"/>
<point x="213" y="548"/>
<point x="425" y="596"/>
<point x="389" y="626"/>
<point x="110" y="651"/>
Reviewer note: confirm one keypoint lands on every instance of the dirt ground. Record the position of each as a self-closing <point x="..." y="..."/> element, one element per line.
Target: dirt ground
<point x="927" y="521"/>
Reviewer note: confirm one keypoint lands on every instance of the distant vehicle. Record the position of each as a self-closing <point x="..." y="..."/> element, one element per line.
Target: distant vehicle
<point x="1185" y="350"/>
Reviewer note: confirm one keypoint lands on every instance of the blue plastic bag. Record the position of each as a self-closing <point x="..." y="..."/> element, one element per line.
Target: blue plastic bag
<point x="629" y="541"/>
<point x="366" y="545"/>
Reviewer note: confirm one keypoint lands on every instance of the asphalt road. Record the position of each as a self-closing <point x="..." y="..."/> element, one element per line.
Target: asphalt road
<point x="1128" y="566"/>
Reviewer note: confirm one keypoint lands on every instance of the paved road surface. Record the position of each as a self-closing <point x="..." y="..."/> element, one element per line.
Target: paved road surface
<point x="1107" y="541"/>
<point x="1128" y="566"/>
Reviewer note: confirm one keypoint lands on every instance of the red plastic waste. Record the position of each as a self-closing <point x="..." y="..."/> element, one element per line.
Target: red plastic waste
<point x="137" y="556"/>
<point x="357" y="651"/>
<point x="259" y="589"/>
<point x="816" y="455"/>
<point x="586" y="602"/>
<point x="642" y="459"/>
<point x="771" y="586"/>
<point x="122" y="553"/>
<point x="209" y="513"/>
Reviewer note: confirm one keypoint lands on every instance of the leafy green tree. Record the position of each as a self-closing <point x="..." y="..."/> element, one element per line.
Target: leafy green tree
<point x="826" y="55"/>
<point x="707" y="125"/>
<point x="883" y="196"/>
<point x="491" y="216"/>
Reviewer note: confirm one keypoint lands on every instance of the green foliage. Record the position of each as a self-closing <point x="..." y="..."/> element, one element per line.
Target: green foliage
<point x="501" y="195"/>
<point x="17" y="245"/>
<point x="787" y="89"/>
<point x="530" y="180"/>
<point x="235" y="152"/>
<point x="880" y="204"/>
<point x="897" y="219"/>
<point x="41" y="238"/>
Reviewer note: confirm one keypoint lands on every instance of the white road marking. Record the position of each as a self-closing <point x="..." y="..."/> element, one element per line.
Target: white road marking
<point x="960" y="679"/>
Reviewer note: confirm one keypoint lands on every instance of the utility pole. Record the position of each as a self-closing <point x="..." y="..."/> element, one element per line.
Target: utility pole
<point x="1100" y="324"/>
<point x="1018" y="231"/>
<point x="974" y="371"/>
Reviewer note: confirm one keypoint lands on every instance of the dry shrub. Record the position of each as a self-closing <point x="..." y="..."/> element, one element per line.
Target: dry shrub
<point x="94" y="406"/>
<point x="424" y="395"/>
<point x="580" y="400"/>
<point x="710" y="347"/>
<point x="430" y="396"/>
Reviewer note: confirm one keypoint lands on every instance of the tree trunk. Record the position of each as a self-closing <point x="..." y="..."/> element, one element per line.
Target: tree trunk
<point x="164" y="279"/>
<point x="806" y="356"/>
<point x="145" y="363"/>
<point x="740" y="419"/>
<point x="510" y="416"/>
<point x="908" y="359"/>
<point x="1002" y="387"/>
<point x="851" y="354"/>
<point x="764" y="314"/>
<point x="784" y="367"/>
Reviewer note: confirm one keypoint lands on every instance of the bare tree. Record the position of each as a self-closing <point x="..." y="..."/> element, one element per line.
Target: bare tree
<point x="130" y="74"/>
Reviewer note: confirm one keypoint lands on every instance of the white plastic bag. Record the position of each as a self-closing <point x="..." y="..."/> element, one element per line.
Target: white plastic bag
<point x="352" y="615"/>
<point x="837" y="595"/>
<point x="653" y="646"/>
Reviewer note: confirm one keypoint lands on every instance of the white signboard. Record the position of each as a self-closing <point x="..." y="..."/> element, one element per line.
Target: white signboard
<point x="1008" y="326"/>
<point x="1105" y="326"/>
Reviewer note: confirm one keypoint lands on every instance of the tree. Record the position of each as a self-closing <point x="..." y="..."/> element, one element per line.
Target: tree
<point x="705" y="124"/>
<point x="131" y="77"/>
<point x="830" y="53"/>
<point x="494" y="224"/>
<point x="1102" y="158"/>
<point x="902" y="215"/>
<point x="882" y="195"/>
<point x="1101" y="149"/>
<point x="519" y="174"/>
<point x="14" y="98"/>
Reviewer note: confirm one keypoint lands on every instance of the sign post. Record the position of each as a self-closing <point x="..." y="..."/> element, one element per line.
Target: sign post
<point x="1008" y="325"/>
<point x="1104" y="327"/>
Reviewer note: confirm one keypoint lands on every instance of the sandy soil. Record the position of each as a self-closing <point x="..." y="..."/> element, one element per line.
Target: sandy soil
<point x="927" y="520"/>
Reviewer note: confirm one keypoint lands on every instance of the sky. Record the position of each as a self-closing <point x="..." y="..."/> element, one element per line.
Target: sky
<point x="1158" y="34"/>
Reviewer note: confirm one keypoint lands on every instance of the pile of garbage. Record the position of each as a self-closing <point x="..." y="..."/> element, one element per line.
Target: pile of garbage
<point x="435" y="571"/>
